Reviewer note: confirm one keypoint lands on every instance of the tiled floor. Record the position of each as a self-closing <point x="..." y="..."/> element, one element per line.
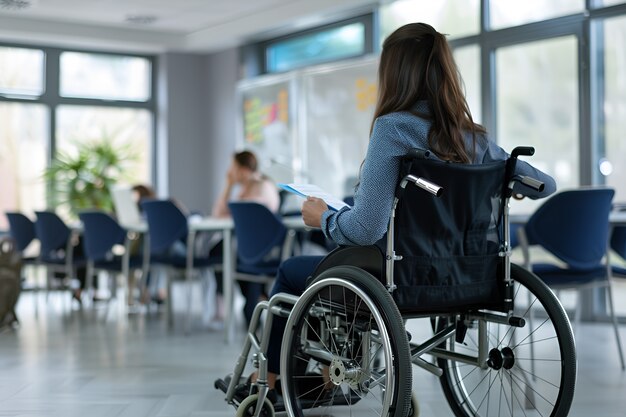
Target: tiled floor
<point x="67" y="362"/>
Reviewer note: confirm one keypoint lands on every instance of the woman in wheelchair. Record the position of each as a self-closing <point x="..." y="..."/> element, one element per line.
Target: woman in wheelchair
<point x="420" y="108"/>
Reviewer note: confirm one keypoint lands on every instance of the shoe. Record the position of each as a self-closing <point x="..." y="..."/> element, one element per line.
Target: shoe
<point x="76" y="297"/>
<point x="158" y="300"/>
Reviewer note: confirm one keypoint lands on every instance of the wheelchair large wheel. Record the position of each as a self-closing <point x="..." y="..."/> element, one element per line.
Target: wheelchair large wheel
<point x="530" y="370"/>
<point x="345" y="350"/>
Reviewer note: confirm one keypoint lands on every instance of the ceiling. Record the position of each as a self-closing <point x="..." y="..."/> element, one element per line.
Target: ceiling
<point x="163" y="25"/>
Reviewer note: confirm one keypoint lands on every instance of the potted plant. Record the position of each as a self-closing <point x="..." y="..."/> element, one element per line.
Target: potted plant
<point x="83" y="179"/>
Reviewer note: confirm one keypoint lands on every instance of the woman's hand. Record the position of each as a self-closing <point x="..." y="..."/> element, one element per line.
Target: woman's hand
<point x="312" y="210"/>
<point x="231" y="175"/>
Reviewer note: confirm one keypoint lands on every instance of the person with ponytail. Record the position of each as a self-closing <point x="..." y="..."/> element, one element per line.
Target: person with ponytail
<point x="420" y="105"/>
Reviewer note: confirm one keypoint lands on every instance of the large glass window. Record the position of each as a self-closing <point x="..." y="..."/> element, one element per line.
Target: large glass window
<point x="27" y="142"/>
<point x="456" y="18"/>
<point x="21" y="71"/>
<point x="467" y="60"/>
<point x="613" y="166"/>
<point x="109" y="77"/>
<point x="127" y="131"/>
<point x="537" y="105"/>
<point x="609" y="2"/>
<point x="505" y="13"/>
<point x="316" y="47"/>
<point x="23" y="156"/>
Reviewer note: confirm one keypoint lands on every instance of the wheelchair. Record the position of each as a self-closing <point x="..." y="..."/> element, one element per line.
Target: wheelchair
<point x="501" y="341"/>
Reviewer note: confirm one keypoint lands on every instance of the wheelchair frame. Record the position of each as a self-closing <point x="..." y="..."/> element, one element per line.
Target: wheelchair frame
<point x="282" y="305"/>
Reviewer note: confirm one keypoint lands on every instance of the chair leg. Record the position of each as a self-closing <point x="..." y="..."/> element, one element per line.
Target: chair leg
<point x="577" y="312"/>
<point x="189" y="282"/>
<point x="615" y="327"/>
<point x="48" y="283"/>
<point x="170" y="310"/>
<point x="89" y="287"/>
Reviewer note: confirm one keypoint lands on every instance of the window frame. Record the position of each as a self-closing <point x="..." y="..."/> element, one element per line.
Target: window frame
<point x="51" y="96"/>
<point x="368" y="47"/>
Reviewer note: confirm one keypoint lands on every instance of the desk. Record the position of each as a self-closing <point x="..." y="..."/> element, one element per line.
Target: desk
<point x="616" y="218"/>
<point x="225" y="226"/>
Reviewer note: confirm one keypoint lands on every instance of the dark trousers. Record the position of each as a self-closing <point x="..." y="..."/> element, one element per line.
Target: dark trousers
<point x="291" y="279"/>
<point x="251" y="292"/>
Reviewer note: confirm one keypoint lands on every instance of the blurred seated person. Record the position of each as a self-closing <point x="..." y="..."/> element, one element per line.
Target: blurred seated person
<point x="142" y="192"/>
<point x="252" y="185"/>
<point x="245" y="183"/>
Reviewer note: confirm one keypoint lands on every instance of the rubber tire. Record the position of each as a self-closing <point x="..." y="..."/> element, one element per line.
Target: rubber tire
<point x="564" y="336"/>
<point x="250" y="402"/>
<point x="394" y="325"/>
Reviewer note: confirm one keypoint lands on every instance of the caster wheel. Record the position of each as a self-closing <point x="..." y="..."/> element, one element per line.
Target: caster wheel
<point x="248" y="407"/>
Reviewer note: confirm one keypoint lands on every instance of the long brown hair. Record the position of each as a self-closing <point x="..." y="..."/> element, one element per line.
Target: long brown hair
<point x="416" y="64"/>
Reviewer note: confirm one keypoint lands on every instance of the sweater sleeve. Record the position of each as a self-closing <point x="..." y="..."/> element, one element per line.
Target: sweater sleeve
<point x="496" y="153"/>
<point x="366" y="222"/>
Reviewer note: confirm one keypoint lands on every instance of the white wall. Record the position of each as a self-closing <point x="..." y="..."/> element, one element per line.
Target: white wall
<point x="196" y="132"/>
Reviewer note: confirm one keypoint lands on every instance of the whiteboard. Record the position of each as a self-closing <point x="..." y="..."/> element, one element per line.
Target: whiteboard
<point x="311" y="125"/>
<point x="339" y="103"/>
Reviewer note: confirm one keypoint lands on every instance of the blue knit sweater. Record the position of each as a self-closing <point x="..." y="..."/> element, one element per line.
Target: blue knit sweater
<point x="392" y="137"/>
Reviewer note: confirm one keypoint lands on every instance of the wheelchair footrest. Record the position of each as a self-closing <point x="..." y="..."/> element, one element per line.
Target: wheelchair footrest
<point x="221" y="385"/>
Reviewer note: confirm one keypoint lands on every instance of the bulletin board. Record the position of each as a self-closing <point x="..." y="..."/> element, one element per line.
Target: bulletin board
<point x="267" y="124"/>
<point x="340" y="103"/>
<point x="311" y="125"/>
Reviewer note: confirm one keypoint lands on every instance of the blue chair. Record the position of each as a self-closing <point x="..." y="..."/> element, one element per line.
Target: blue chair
<point x="574" y="227"/>
<point x="260" y="238"/>
<point x="618" y="244"/>
<point x="168" y="233"/>
<point x="22" y="230"/>
<point x="101" y="233"/>
<point x="60" y="251"/>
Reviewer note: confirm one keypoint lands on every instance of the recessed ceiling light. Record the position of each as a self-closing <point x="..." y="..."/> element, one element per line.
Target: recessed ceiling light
<point x="15" y="4"/>
<point x="140" y="19"/>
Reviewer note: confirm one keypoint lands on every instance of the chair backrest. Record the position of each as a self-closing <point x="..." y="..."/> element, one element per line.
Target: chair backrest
<point x="573" y="225"/>
<point x="618" y="241"/>
<point x="21" y="229"/>
<point x="449" y="244"/>
<point x="166" y="224"/>
<point x="100" y="233"/>
<point x="51" y="231"/>
<point x="257" y="230"/>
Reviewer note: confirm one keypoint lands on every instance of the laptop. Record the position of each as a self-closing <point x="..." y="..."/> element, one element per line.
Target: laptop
<point x="126" y="208"/>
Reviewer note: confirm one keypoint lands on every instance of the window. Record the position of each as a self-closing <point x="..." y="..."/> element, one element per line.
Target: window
<point x="21" y="71"/>
<point x="108" y="77"/>
<point x="120" y="111"/>
<point x="128" y="130"/>
<point x="612" y="166"/>
<point x="24" y="153"/>
<point x="609" y="2"/>
<point x="456" y="18"/>
<point x="505" y="13"/>
<point x="468" y="61"/>
<point x="323" y="45"/>
<point x="537" y="105"/>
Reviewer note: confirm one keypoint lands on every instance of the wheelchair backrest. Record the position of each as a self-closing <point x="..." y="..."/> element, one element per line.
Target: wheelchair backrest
<point x="450" y="245"/>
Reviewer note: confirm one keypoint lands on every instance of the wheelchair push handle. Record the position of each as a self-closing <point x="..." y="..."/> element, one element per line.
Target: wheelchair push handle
<point x="522" y="151"/>
<point x="431" y="187"/>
